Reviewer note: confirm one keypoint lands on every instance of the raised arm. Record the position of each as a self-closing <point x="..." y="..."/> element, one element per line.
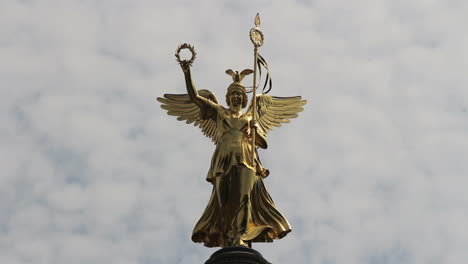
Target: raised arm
<point x="203" y="99"/>
<point x="185" y="65"/>
<point x="191" y="90"/>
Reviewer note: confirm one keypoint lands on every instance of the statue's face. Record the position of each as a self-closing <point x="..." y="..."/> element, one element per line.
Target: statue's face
<point x="235" y="98"/>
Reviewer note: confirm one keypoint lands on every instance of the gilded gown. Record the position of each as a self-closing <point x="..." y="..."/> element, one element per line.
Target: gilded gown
<point x="240" y="210"/>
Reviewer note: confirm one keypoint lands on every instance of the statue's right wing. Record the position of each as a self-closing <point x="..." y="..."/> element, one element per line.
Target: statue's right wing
<point x="181" y="106"/>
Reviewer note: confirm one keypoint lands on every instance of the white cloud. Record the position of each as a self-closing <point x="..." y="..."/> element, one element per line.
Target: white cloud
<point x="94" y="171"/>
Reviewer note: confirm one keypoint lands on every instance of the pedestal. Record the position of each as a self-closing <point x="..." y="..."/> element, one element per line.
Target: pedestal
<point x="237" y="255"/>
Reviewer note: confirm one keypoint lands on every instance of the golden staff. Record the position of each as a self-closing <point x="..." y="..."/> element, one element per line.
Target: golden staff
<point x="256" y="36"/>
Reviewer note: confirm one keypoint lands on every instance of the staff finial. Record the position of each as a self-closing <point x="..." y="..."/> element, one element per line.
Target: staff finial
<point x="256" y="36"/>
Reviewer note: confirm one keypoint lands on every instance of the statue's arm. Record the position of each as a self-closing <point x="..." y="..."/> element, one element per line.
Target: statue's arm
<point x="260" y="136"/>
<point x="208" y="109"/>
<point x="192" y="91"/>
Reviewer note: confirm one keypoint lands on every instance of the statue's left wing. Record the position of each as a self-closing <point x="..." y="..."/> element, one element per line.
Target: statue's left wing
<point x="271" y="111"/>
<point x="181" y="106"/>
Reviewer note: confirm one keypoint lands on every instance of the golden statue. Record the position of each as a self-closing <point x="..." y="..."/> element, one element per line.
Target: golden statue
<point x="240" y="210"/>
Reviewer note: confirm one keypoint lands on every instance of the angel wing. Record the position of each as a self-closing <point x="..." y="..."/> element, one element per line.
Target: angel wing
<point x="181" y="106"/>
<point x="271" y="111"/>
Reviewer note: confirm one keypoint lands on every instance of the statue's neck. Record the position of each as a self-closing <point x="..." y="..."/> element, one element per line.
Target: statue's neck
<point x="236" y="109"/>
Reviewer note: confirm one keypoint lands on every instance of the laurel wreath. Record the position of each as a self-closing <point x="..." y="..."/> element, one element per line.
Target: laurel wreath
<point x="186" y="62"/>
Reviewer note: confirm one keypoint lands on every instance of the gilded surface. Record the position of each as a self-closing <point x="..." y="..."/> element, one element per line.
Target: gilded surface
<point x="240" y="210"/>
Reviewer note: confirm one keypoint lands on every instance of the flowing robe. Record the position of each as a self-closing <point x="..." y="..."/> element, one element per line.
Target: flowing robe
<point x="240" y="210"/>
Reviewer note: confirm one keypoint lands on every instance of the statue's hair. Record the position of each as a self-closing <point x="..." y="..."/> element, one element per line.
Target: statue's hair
<point x="233" y="87"/>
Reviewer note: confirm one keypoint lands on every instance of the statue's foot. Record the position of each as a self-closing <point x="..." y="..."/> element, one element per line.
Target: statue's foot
<point x="239" y="243"/>
<point x="243" y="243"/>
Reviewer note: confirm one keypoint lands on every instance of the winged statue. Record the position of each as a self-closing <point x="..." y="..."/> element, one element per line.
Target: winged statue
<point x="240" y="210"/>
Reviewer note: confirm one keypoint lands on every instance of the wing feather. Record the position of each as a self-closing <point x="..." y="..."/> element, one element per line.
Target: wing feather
<point x="272" y="111"/>
<point x="184" y="109"/>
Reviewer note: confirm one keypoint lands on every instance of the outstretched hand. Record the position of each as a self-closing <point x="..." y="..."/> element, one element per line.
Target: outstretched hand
<point x="185" y="65"/>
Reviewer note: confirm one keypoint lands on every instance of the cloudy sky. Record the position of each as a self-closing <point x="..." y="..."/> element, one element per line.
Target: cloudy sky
<point x="94" y="171"/>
